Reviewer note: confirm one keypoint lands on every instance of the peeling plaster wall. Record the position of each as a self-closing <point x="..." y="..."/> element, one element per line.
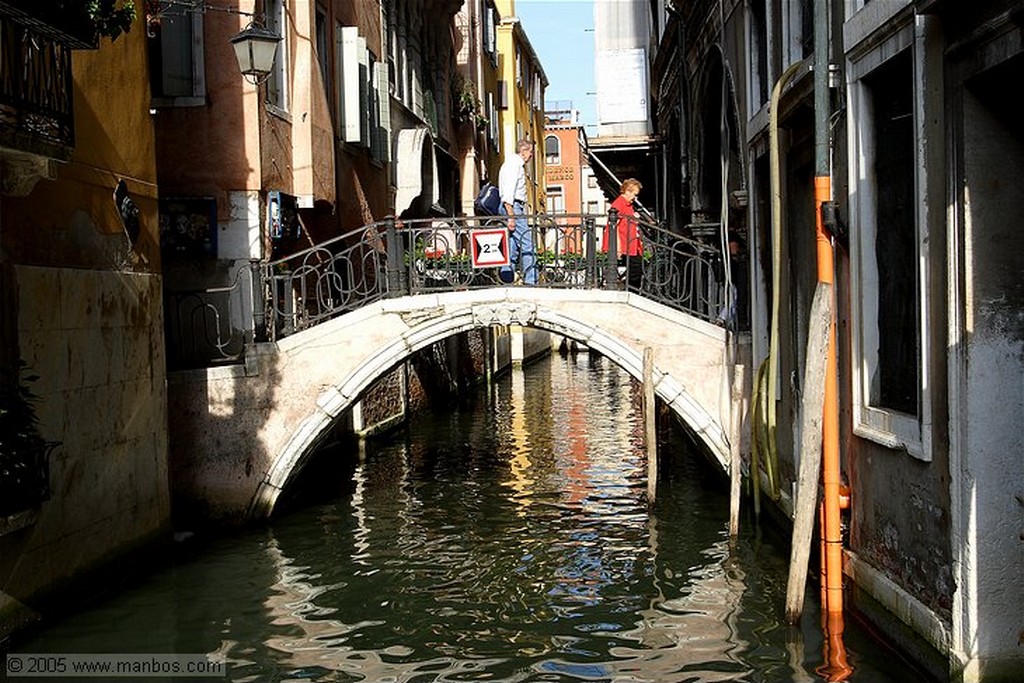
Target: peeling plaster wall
<point x="991" y="476"/>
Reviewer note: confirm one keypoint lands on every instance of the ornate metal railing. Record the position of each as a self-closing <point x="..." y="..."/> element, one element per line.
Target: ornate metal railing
<point x="213" y="325"/>
<point x="396" y="258"/>
<point x="35" y="91"/>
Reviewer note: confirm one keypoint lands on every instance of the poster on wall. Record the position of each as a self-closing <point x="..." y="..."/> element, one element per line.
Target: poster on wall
<point x="188" y="227"/>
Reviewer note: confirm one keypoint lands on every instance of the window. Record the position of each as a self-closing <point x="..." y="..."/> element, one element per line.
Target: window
<point x="556" y="199"/>
<point x="797" y="30"/>
<point x="489" y="34"/>
<point x="552" y="150"/>
<point x="176" y="59"/>
<point x="322" y="55"/>
<point x="758" y="49"/>
<point x="592" y="207"/>
<point x="591" y="181"/>
<point x="890" y="89"/>
<point x="277" y="83"/>
<point x="492" y="118"/>
<point x="888" y="244"/>
<point x="382" y="132"/>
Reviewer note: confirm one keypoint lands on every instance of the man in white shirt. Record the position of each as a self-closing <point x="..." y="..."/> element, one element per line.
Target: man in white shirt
<point x="512" y="188"/>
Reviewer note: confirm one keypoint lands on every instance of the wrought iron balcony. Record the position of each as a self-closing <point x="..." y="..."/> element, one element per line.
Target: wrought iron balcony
<point x="36" y="114"/>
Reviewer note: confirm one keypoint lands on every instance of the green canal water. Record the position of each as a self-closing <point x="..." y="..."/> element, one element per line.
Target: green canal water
<point x="510" y="540"/>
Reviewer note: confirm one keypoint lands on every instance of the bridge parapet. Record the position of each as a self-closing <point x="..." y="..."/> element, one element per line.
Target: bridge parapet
<point x="267" y="301"/>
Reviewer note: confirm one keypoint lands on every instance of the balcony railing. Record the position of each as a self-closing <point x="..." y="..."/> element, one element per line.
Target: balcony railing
<point x="389" y="259"/>
<point x="36" y="112"/>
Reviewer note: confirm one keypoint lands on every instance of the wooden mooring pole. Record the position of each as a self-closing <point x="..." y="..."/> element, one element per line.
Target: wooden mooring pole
<point x="650" y="425"/>
<point x="810" y="449"/>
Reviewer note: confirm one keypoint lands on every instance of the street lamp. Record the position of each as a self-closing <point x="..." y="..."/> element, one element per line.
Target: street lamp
<point x="255" y="48"/>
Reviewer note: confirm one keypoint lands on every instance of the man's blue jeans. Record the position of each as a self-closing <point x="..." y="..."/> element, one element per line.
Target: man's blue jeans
<point x="520" y="246"/>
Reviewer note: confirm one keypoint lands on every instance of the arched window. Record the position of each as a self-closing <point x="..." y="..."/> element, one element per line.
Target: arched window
<point x="552" y="150"/>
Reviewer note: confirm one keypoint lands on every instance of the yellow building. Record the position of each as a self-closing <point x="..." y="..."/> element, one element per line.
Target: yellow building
<point x="85" y="481"/>
<point x="521" y="88"/>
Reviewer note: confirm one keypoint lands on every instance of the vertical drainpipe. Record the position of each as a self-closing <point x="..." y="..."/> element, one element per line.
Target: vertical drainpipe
<point x="830" y="422"/>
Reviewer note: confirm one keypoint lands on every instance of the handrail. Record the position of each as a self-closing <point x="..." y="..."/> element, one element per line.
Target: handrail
<point x="395" y="257"/>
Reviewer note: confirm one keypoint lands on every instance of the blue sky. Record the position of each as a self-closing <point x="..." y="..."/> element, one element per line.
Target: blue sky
<point x="561" y="33"/>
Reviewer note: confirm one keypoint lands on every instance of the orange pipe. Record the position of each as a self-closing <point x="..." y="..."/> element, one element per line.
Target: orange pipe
<point x="823" y="566"/>
<point x="831" y="531"/>
<point x="835" y="668"/>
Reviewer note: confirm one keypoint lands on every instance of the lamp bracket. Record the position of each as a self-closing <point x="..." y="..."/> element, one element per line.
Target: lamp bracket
<point x="156" y="9"/>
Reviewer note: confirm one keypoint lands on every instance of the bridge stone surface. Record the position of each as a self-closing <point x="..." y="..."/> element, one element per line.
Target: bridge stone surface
<point x="235" y="458"/>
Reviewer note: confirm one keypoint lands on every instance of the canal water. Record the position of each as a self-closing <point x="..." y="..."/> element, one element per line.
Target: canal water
<point x="509" y="540"/>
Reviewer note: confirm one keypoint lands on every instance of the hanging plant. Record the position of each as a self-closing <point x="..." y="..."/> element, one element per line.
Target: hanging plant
<point x="467" y="106"/>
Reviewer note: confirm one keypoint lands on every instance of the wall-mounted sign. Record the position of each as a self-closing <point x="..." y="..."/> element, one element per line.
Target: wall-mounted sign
<point x="560" y="173"/>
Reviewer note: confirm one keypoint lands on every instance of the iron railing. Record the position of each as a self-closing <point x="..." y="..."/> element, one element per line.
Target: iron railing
<point x="397" y="258"/>
<point x="35" y="91"/>
<point x="213" y="325"/>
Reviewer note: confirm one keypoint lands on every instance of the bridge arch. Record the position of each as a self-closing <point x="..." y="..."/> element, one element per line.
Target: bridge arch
<point x="690" y="358"/>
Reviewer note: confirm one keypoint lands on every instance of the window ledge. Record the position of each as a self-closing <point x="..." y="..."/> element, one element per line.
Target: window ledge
<point x="163" y="102"/>
<point x="892" y="430"/>
<point x="275" y="110"/>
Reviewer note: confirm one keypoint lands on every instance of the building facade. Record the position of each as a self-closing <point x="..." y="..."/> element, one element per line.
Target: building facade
<point x="927" y="279"/>
<point x="625" y="145"/>
<point x="521" y="99"/>
<point x="80" y="304"/>
<point x="476" y="98"/>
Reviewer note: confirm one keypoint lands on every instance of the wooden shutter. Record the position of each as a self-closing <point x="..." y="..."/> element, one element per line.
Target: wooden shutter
<point x="347" y="39"/>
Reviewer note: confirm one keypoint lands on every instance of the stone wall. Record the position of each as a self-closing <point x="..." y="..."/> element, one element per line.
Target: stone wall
<point x="95" y="341"/>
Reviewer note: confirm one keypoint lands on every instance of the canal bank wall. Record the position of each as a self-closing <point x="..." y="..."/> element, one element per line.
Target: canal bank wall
<point x="94" y="342"/>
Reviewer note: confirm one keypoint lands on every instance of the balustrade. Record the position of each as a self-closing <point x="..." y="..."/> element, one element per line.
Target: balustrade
<point x="397" y="258"/>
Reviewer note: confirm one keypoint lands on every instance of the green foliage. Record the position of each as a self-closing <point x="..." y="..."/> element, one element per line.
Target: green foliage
<point x="109" y="19"/>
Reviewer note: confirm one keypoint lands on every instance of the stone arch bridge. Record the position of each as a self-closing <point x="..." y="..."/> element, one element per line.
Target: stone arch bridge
<point x="263" y="419"/>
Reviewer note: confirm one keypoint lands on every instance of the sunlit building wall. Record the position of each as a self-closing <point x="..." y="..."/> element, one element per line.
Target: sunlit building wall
<point x="521" y="88"/>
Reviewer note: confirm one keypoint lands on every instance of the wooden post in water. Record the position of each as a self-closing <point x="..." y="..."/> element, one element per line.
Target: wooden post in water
<point x="810" y="449"/>
<point x="650" y="424"/>
<point x="735" y="456"/>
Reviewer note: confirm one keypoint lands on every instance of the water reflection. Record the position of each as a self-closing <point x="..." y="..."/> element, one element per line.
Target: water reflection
<point x="511" y="542"/>
<point x="519" y="435"/>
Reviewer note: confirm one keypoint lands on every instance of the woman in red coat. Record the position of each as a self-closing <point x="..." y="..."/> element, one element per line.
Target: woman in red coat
<point x="627" y="236"/>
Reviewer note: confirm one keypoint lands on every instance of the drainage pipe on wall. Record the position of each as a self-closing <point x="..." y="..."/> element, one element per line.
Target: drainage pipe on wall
<point x="831" y="533"/>
<point x="765" y="437"/>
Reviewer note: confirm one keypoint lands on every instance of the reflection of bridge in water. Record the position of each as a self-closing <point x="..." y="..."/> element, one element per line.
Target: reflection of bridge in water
<point x="300" y="339"/>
